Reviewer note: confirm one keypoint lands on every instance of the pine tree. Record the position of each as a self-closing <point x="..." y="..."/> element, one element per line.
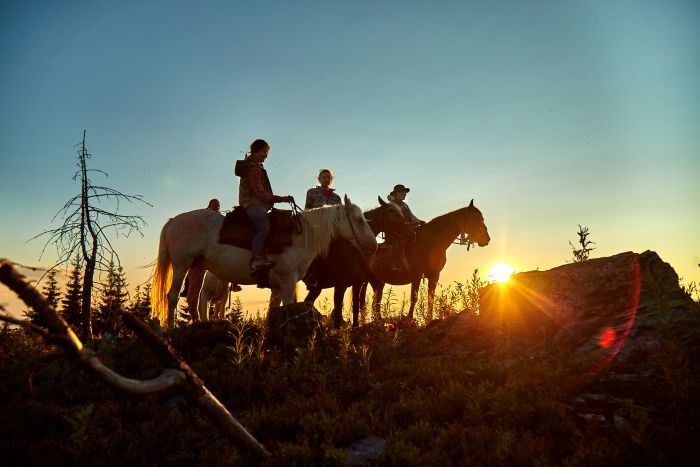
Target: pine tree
<point x="51" y="290"/>
<point x="112" y="298"/>
<point x="141" y="304"/>
<point x="52" y="294"/>
<point x="145" y="310"/>
<point x="71" y="303"/>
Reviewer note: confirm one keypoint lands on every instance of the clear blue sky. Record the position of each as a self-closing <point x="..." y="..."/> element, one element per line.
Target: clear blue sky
<point x="548" y="113"/>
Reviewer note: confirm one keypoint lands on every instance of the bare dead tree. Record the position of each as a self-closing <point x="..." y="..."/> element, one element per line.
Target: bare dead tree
<point x="177" y="372"/>
<point x="87" y="217"/>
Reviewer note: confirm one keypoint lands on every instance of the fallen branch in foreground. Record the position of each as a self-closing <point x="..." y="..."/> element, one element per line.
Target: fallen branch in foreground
<point x="177" y="373"/>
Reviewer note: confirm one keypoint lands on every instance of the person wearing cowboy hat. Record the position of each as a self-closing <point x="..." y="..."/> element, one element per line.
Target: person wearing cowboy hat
<point x="397" y="196"/>
<point x="397" y="244"/>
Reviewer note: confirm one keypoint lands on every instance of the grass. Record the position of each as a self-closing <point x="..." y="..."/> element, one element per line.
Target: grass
<point x="474" y="404"/>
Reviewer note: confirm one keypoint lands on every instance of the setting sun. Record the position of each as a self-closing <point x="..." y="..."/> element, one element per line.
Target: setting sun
<point x="501" y="272"/>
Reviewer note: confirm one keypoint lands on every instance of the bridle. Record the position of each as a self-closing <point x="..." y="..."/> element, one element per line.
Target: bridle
<point x="352" y="227"/>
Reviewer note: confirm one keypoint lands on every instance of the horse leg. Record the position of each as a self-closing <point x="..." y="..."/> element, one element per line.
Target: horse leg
<point x="337" y="314"/>
<point x="432" y="284"/>
<point x="356" y="291"/>
<point x="274" y="298"/>
<point x="287" y="293"/>
<point x="202" y="307"/>
<point x="174" y="292"/>
<point x="415" y="286"/>
<point x="313" y="294"/>
<point x="378" y="289"/>
<point x="196" y="275"/>
<point x="362" y="297"/>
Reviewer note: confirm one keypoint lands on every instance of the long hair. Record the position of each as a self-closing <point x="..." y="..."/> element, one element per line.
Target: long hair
<point x="317" y="228"/>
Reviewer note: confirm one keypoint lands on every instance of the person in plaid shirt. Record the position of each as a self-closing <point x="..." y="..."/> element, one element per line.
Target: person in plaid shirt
<point x="322" y="195"/>
<point x="256" y="197"/>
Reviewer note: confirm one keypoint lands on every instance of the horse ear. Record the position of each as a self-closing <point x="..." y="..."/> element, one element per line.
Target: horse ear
<point x="381" y="201"/>
<point x="347" y="201"/>
<point x="471" y="205"/>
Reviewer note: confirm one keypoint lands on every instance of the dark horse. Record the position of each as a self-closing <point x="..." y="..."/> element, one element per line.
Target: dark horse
<point x="345" y="267"/>
<point x="426" y="256"/>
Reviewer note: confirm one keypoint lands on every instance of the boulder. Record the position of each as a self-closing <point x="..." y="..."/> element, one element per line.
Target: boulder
<point x="591" y="307"/>
<point x="295" y="322"/>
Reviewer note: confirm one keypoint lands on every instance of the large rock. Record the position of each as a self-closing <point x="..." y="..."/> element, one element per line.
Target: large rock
<point x="293" y="323"/>
<point x="590" y="307"/>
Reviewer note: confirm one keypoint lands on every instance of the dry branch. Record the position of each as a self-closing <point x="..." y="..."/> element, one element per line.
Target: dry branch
<point x="177" y="373"/>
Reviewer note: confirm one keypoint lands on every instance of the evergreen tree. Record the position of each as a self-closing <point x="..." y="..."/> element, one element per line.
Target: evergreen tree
<point x="51" y="290"/>
<point x="112" y="298"/>
<point x="52" y="294"/>
<point x="71" y="303"/>
<point x="145" y="310"/>
<point x="141" y="304"/>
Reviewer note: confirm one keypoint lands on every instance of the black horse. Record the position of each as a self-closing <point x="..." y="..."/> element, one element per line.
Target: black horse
<point x="425" y="257"/>
<point x="345" y="267"/>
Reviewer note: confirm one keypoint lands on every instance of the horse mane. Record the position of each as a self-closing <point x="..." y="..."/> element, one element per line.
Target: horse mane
<point x="444" y="222"/>
<point x="317" y="228"/>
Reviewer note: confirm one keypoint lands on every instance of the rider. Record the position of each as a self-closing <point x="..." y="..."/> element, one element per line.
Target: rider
<point x="256" y="197"/>
<point x="322" y="195"/>
<point x="397" y="243"/>
<point x="215" y="206"/>
<point x="397" y="196"/>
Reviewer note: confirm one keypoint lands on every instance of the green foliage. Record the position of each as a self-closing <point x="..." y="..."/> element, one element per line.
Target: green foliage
<point x="72" y="299"/>
<point x="112" y="297"/>
<point x="339" y="387"/>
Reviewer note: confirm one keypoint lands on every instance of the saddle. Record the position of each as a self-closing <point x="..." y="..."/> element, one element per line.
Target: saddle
<point x="238" y="230"/>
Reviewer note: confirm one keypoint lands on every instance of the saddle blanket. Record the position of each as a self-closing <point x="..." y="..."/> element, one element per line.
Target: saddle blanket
<point x="238" y="230"/>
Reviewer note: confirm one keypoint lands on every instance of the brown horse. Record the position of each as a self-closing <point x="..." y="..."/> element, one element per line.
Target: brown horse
<point x="426" y="256"/>
<point x="345" y="267"/>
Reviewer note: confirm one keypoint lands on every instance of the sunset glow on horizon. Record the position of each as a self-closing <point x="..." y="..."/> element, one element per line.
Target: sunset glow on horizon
<point x="501" y="272"/>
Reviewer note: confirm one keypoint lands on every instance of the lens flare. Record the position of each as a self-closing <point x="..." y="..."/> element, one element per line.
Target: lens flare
<point x="607" y="338"/>
<point x="501" y="272"/>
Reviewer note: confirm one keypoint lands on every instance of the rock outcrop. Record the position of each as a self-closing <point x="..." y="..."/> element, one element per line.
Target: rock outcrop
<point x="603" y="306"/>
<point x="293" y="323"/>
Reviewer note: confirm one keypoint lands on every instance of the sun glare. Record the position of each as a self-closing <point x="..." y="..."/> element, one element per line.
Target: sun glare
<point x="501" y="272"/>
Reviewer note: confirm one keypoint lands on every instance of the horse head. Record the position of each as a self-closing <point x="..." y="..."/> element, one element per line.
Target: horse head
<point x="386" y="218"/>
<point x="355" y="229"/>
<point x="472" y="225"/>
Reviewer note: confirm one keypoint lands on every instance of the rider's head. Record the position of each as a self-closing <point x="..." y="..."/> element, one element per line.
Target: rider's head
<point x="259" y="150"/>
<point x="325" y="178"/>
<point x="214" y="205"/>
<point x="399" y="192"/>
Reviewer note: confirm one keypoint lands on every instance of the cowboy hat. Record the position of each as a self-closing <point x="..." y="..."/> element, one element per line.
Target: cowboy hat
<point x="399" y="188"/>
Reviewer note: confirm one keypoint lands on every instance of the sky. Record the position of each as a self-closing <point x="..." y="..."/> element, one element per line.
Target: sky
<point x="549" y="114"/>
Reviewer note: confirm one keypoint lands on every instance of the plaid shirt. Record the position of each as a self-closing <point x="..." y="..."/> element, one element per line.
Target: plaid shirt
<point x="316" y="197"/>
<point x="255" y="188"/>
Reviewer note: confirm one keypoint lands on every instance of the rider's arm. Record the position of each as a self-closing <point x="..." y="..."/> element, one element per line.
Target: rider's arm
<point x="309" y="200"/>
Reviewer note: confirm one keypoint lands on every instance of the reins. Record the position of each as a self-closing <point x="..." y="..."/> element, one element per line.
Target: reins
<point x="296" y="215"/>
<point x="352" y="227"/>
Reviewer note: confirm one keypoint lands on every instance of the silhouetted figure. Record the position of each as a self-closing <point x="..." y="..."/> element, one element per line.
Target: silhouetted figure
<point x="322" y="195"/>
<point x="256" y="197"/>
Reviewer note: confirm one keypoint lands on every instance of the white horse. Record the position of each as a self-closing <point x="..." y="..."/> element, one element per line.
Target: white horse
<point x="216" y="292"/>
<point x="195" y="235"/>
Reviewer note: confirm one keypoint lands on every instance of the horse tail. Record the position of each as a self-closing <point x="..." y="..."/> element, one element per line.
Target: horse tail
<point x="161" y="279"/>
